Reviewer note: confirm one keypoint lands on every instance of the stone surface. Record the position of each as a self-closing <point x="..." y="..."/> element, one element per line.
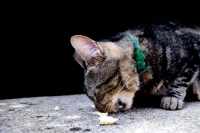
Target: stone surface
<point x="75" y="114"/>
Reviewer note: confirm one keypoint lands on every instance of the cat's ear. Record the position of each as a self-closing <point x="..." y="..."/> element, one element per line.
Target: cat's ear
<point x="79" y="59"/>
<point x="87" y="49"/>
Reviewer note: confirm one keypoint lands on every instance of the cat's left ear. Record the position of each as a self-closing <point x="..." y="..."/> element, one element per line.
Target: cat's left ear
<point x="79" y="59"/>
<point x="87" y="49"/>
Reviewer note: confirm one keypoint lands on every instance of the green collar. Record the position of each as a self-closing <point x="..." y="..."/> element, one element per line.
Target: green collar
<point x="138" y="54"/>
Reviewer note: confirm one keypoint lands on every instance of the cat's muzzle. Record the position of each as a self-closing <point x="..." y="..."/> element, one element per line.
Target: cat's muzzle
<point x="120" y="106"/>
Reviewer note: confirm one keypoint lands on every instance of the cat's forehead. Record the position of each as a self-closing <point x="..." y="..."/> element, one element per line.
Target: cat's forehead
<point x="111" y="49"/>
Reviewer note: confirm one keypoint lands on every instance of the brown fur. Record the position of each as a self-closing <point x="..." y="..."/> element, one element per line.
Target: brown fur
<point x="172" y="54"/>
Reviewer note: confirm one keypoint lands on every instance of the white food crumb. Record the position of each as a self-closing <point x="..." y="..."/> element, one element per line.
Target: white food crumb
<point x="56" y="108"/>
<point x="107" y="120"/>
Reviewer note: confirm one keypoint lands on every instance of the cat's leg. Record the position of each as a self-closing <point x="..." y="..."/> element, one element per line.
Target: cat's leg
<point x="176" y="90"/>
<point x="196" y="86"/>
<point x="174" y="99"/>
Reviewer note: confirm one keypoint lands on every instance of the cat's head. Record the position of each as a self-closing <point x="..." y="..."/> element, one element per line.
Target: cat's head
<point x="110" y="77"/>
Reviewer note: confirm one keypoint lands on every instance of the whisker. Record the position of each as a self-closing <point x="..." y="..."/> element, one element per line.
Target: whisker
<point x="121" y="89"/>
<point x="144" y="71"/>
<point x="115" y="95"/>
<point x="117" y="76"/>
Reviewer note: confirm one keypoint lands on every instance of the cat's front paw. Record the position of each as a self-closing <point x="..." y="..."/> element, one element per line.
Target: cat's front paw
<point x="196" y="88"/>
<point x="197" y="92"/>
<point x="171" y="103"/>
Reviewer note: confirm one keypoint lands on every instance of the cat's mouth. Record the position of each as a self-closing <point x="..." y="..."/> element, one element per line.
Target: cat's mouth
<point x="112" y="107"/>
<point x="120" y="106"/>
<point x="119" y="103"/>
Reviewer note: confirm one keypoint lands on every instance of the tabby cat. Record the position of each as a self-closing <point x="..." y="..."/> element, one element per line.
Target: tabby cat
<point x="160" y="58"/>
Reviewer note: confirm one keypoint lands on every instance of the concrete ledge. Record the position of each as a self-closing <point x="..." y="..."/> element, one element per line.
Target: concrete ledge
<point x="74" y="114"/>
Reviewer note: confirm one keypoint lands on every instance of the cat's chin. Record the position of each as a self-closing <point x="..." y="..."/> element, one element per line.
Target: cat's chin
<point x="123" y="104"/>
<point x="122" y="101"/>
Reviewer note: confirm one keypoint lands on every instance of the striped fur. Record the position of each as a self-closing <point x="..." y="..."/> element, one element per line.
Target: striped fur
<point x="172" y="51"/>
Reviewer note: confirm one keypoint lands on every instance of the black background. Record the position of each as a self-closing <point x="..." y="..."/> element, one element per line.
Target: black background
<point x="36" y="54"/>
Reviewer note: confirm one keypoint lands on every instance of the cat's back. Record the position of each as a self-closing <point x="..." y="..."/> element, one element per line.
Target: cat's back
<point x="169" y="44"/>
<point x="169" y="33"/>
<point x="166" y="28"/>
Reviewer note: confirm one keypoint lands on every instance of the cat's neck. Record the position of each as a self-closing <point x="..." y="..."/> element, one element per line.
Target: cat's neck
<point x="138" y="55"/>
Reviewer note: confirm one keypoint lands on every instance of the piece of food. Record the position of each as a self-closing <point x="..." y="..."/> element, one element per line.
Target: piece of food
<point x="56" y="108"/>
<point x="104" y="119"/>
<point x="107" y="120"/>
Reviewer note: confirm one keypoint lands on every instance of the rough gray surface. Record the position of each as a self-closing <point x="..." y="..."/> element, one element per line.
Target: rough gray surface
<point x="74" y="115"/>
